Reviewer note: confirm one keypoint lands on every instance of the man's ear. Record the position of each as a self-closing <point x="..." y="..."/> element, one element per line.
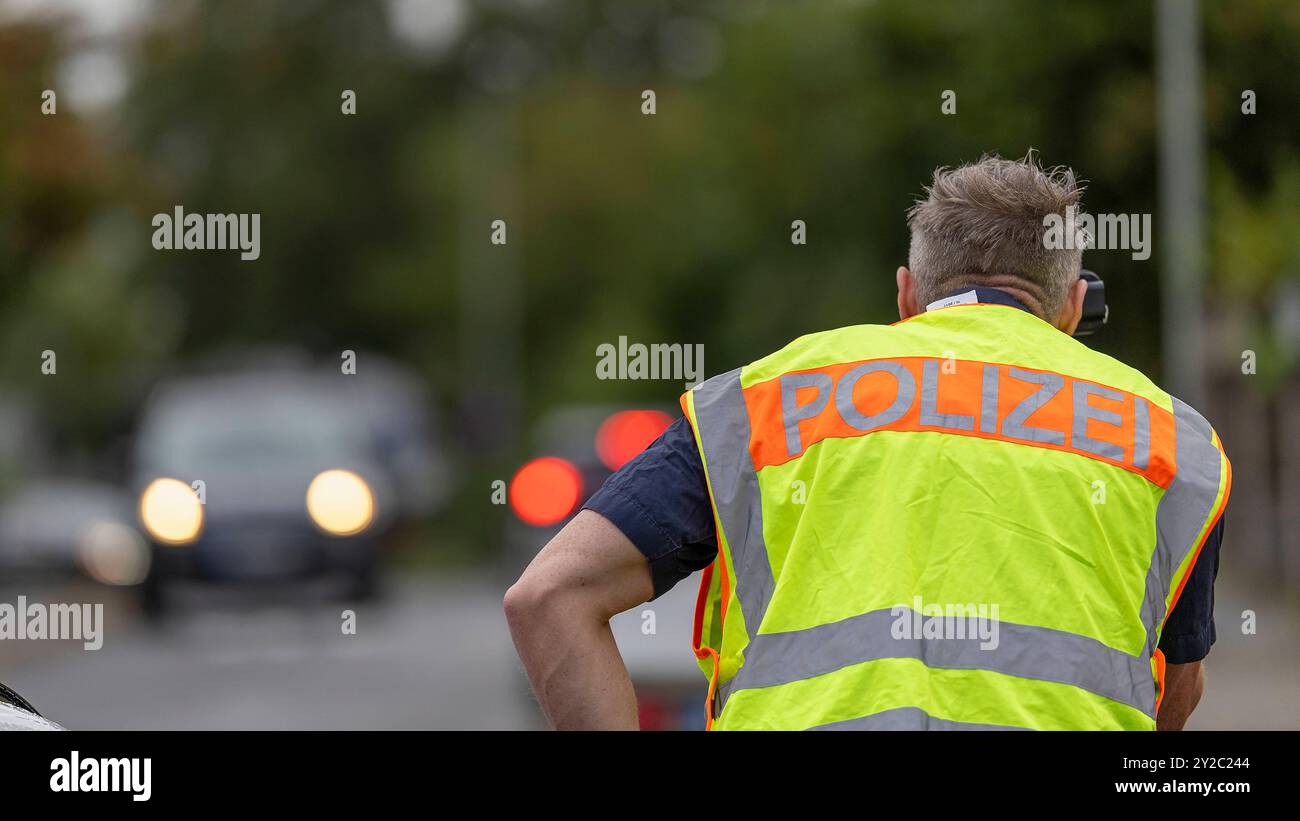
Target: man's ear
<point x="907" y="307"/>
<point x="1072" y="310"/>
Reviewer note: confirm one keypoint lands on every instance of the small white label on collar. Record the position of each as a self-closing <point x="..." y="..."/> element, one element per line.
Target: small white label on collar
<point x="964" y="298"/>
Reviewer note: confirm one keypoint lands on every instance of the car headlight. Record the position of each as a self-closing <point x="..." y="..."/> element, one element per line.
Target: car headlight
<point x="340" y="502"/>
<point x="171" y="512"/>
<point x="113" y="553"/>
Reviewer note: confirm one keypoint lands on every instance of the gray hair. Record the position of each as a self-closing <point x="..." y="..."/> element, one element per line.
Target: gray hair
<point x="982" y="224"/>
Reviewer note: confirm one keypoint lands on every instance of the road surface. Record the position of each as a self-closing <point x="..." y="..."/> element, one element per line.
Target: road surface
<point x="435" y="654"/>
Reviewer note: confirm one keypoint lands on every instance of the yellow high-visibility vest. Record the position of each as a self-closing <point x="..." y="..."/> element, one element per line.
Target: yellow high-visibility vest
<point x="966" y="520"/>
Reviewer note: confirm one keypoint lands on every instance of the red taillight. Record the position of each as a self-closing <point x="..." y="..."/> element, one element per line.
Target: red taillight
<point x="627" y="433"/>
<point x="545" y="490"/>
<point x="653" y="714"/>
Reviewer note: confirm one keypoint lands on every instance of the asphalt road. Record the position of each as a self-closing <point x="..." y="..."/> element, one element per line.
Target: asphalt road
<point x="431" y="655"/>
<point x="434" y="654"/>
<point x="1252" y="675"/>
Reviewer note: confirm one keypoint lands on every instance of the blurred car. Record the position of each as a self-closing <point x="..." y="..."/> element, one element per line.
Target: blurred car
<point x="578" y="447"/>
<point x="61" y="526"/>
<point x="281" y="471"/>
<point x="54" y="522"/>
<point x="393" y="405"/>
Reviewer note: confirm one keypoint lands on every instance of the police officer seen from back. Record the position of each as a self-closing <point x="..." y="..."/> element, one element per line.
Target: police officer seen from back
<point x="967" y="519"/>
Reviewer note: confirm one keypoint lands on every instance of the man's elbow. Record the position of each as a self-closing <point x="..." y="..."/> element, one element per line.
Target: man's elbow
<point x="521" y="602"/>
<point x="529" y="600"/>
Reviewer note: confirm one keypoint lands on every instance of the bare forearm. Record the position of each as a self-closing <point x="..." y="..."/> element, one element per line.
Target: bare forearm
<point x="559" y="614"/>
<point x="576" y="671"/>
<point x="1184" y="684"/>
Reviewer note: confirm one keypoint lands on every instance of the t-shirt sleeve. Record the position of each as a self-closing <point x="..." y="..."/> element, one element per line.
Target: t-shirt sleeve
<point x="660" y="501"/>
<point x="1189" y="630"/>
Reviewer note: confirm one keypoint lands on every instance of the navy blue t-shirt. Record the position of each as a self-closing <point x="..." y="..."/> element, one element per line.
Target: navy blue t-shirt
<point x="661" y="503"/>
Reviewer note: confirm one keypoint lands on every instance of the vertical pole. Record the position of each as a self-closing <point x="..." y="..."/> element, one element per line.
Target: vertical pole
<point x="1181" y="196"/>
<point x="490" y="284"/>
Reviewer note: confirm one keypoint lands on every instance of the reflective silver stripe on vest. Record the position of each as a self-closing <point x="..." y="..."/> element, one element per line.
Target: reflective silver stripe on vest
<point x="908" y="718"/>
<point x="1183" y="511"/>
<point x="1028" y="652"/>
<point x="724" y="433"/>
<point x="1141" y="433"/>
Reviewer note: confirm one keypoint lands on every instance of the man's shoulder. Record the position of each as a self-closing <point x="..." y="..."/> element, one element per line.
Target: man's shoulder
<point x="822" y="348"/>
<point x="1108" y="370"/>
<point x="1120" y="374"/>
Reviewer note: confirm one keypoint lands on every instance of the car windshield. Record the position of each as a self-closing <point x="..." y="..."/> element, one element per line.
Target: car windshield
<point x="249" y="432"/>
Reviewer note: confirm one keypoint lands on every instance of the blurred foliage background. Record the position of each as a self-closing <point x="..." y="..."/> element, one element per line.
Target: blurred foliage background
<point x="673" y="227"/>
